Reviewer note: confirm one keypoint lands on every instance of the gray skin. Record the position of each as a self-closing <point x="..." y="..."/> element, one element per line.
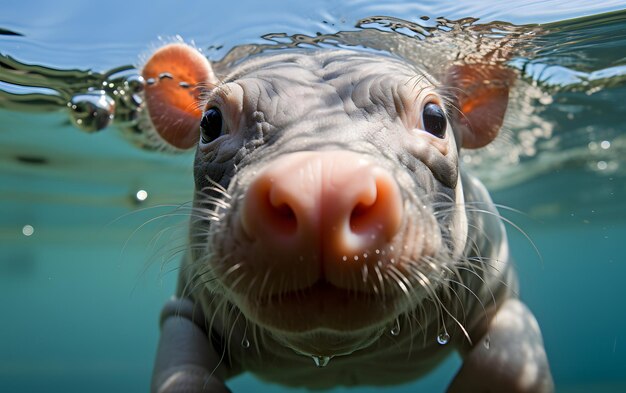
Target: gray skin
<point x="465" y="288"/>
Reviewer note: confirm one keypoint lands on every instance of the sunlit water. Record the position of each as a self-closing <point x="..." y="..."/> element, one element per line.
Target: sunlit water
<point x="84" y="269"/>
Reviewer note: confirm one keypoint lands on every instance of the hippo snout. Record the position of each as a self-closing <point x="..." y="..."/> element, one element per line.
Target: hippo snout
<point x="325" y="213"/>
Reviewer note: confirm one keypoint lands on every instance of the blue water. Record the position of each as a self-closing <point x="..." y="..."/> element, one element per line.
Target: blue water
<point x="80" y="297"/>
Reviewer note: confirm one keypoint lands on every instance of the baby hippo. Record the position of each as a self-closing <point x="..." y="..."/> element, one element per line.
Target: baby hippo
<point x="333" y="227"/>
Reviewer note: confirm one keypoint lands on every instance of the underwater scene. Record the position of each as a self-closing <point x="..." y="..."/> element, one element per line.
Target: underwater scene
<point x="95" y="208"/>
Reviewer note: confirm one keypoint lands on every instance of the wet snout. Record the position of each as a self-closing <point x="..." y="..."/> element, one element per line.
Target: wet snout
<point x="318" y="217"/>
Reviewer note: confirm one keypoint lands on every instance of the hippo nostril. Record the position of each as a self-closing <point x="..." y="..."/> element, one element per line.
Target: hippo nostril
<point x="378" y="213"/>
<point x="282" y="218"/>
<point x="270" y="210"/>
<point x="359" y="218"/>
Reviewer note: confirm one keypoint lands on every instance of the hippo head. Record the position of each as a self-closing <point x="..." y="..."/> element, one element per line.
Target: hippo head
<point x="328" y="195"/>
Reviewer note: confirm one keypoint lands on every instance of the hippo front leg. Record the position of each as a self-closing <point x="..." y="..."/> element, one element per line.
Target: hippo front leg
<point x="186" y="361"/>
<point x="510" y="358"/>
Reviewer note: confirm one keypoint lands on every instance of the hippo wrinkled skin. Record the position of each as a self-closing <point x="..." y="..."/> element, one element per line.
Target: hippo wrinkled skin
<point x="333" y="226"/>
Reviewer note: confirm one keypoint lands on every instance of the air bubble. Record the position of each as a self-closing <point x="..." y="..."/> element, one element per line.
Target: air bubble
<point x="321" y="361"/>
<point x="28" y="230"/>
<point x="92" y="111"/>
<point x="134" y="84"/>
<point x="443" y="338"/>
<point x="141" y="195"/>
<point x="487" y="342"/>
<point x="245" y="343"/>
<point x="344" y="258"/>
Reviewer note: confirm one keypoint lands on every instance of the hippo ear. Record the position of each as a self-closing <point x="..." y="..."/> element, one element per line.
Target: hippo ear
<point x="176" y="75"/>
<point x="482" y="95"/>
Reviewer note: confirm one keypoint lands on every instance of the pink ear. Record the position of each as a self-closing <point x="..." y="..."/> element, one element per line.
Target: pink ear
<point x="482" y="92"/>
<point x="174" y="74"/>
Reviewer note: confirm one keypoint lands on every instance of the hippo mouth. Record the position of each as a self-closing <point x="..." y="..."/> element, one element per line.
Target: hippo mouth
<point x="322" y="306"/>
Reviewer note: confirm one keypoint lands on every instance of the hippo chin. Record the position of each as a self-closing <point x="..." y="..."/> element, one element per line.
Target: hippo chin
<point x="332" y="222"/>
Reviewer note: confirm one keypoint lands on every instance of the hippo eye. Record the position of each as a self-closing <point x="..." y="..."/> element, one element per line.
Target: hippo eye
<point x="211" y="125"/>
<point x="434" y="119"/>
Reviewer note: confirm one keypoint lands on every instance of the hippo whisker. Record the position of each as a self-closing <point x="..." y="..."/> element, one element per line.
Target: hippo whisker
<point x="381" y="280"/>
<point x="447" y="287"/>
<point x="431" y="288"/>
<point x="512" y="224"/>
<point x="213" y="188"/>
<point x="197" y="276"/>
<point x="197" y="283"/>
<point x="266" y="277"/>
<point x="459" y="283"/>
<point x="454" y="318"/>
<point x="154" y="219"/>
<point x="399" y="279"/>
<point x="212" y="204"/>
<point x="364" y="273"/>
<point x="418" y="315"/>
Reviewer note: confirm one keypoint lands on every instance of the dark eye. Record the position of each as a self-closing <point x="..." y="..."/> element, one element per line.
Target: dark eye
<point x="434" y="120"/>
<point x="211" y="125"/>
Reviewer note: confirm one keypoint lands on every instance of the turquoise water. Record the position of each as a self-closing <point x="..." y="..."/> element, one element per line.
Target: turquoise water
<point x="80" y="296"/>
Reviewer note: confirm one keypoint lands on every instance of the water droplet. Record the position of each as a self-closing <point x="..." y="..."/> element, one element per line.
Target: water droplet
<point x="395" y="330"/>
<point x="245" y="343"/>
<point x="443" y="338"/>
<point x="141" y="195"/>
<point x="92" y="111"/>
<point x="28" y="230"/>
<point x="487" y="342"/>
<point x="321" y="361"/>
